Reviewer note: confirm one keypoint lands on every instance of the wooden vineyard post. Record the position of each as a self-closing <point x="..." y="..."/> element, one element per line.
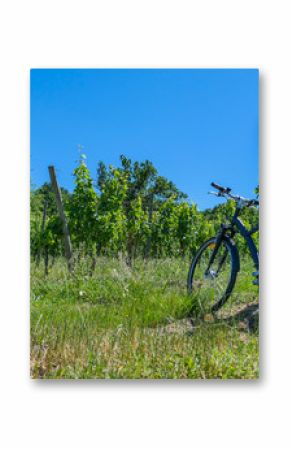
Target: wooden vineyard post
<point x="60" y="208"/>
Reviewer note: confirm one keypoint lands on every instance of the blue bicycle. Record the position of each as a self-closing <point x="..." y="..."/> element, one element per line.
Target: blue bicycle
<point x="214" y="268"/>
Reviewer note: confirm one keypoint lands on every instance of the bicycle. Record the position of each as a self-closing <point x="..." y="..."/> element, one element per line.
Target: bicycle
<point x="214" y="268"/>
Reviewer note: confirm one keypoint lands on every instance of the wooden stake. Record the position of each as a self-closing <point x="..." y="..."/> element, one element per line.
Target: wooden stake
<point x="60" y="208"/>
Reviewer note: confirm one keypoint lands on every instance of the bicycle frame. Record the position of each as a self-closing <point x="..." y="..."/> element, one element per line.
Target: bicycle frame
<point x="245" y="233"/>
<point x="236" y="225"/>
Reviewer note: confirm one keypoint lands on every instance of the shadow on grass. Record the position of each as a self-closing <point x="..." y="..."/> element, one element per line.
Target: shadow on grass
<point x="245" y="319"/>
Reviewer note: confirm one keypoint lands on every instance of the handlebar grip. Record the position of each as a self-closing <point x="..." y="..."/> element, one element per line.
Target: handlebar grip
<point x="216" y="186"/>
<point x="220" y="188"/>
<point x="252" y="203"/>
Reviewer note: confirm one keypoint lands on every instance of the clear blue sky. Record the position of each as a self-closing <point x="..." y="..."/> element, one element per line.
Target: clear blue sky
<point x="195" y="125"/>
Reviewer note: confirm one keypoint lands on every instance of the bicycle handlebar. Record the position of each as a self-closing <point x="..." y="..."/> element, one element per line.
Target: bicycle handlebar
<point x="225" y="192"/>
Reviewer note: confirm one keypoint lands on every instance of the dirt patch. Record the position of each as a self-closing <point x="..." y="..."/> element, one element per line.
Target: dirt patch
<point x="244" y="317"/>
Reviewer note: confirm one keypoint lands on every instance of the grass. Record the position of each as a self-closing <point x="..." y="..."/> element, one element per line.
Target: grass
<point x="132" y="323"/>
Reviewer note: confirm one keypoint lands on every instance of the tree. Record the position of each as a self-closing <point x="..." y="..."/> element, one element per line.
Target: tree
<point x="145" y="188"/>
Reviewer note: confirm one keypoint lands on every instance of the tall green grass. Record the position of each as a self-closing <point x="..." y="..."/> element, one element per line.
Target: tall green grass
<point x="121" y="323"/>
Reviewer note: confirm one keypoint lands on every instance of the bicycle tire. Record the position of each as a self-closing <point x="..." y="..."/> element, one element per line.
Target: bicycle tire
<point x="235" y="264"/>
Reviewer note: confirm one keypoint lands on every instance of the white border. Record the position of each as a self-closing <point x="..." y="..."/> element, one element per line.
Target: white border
<point x="144" y="34"/>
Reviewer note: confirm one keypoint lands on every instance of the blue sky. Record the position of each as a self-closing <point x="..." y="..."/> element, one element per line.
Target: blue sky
<point x="195" y="125"/>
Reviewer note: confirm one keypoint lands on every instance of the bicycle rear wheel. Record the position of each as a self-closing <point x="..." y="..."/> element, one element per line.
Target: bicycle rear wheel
<point x="211" y="283"/>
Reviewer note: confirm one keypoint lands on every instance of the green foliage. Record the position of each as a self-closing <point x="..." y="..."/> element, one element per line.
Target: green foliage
<point x="45" y="226"/>
<point x="135" y="212"/>
<point x="82" y="209"/>
<point x="111" y="218"/>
